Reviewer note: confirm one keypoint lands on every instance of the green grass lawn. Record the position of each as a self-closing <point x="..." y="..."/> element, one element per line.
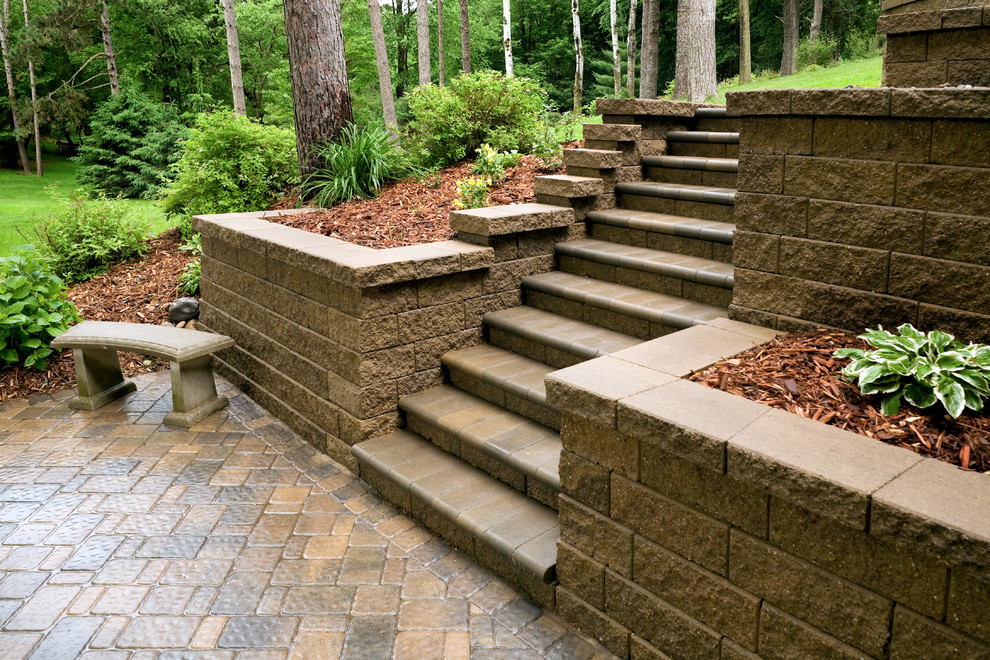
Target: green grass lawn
<point x="865" y="73"/>
<point x="24" y="200"/>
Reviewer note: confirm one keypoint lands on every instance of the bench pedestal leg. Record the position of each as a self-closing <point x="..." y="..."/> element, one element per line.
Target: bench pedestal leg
<point x="98" y="378"/>
<point x="194" y="392"/>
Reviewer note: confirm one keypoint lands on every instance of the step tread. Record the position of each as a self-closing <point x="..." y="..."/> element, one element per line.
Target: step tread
<point x="691" y="193"/>
<point x="527" y="446"/>
<point x="716" y="137"/>
<point x="711" y="113"/>
<point x="504" y="369"/>
<point x="575" y="337"/>
<point x="668" y="310"/>
<point x="729" y="165"/>
<point x="669" y="264"/>
<point x="662" y="223"/>
<point x="497" y="515"/>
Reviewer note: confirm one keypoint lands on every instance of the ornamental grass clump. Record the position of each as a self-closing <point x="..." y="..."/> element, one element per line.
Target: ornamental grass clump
<point x="921" y="369"/>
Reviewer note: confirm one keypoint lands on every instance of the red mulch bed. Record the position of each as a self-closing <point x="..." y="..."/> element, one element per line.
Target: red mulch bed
<point x="797" y="373"/>
<point x="136" y="292"/>
<point x="409" y="212"/>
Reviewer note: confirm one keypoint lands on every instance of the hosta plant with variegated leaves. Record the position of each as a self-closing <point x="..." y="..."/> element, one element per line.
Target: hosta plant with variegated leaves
<point x="920" y="369"/>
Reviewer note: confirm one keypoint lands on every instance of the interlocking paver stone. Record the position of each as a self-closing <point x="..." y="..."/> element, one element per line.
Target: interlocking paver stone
<point x="124" y="538"/>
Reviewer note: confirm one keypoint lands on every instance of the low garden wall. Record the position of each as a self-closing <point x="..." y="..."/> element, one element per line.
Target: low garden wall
<point x="864" y="206"/>
<point x="698" y="524"/>
<point x="329" y="334"/>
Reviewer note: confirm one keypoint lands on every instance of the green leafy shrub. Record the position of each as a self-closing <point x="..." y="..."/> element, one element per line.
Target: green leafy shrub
<point x="33" y="308"/>
<point x="920" y="369"/>
<point x="860" y="44"/>
<point x="472" y="193"/>
<point x="453" y="121"/>
<point x="88" y="236"/>
<point x="190" y="275"/>
<point x="492" y="164"/>
<point x="231" y="164"/>
<point x="356" y="167"/>
<point x="131" y="144"/>
<point x="821" y="52"/>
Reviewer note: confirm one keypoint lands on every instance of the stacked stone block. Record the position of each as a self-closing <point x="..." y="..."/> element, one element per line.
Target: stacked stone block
<point x="863" y="207"/>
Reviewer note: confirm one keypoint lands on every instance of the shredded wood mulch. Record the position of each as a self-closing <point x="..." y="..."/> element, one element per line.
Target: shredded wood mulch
<point x="135" y="292"/>
<point x="411" y="212"/>
<point x="797" y="373"/>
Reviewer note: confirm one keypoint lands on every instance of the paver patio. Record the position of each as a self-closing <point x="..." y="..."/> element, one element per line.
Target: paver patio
<point x="124" y="538"/>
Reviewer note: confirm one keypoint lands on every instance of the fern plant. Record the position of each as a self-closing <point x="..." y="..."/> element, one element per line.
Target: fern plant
<point x="921" y="369"/>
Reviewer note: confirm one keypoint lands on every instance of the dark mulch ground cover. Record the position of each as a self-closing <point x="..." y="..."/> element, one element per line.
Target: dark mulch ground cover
<point x="797" y="373"/>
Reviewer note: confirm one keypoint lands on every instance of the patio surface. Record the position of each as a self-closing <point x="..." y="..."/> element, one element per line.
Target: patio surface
<point x="124" y="538"/>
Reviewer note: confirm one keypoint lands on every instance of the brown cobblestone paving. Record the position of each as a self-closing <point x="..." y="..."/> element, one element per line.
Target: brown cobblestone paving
<point x="124" y="538"/>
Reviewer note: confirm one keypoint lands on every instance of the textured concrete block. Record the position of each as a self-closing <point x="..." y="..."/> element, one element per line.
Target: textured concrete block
<point x="944" y="189"/>
<point x="585" y="481"/>
<point x="919" y="21"/>
<point x="783" y="636"/>
<point x="964" y="143"/>
<point x="965" y="326"/>
<point x="593" y="622"/>
<point x="959" y="45"/>
<point x="761" y="173"/>
<point x="595" y="535"/>
<point x="855" y="267"/>
<point x="511" y="218"/>
<point x="968" y="72"/>
<point x="613" y="132"/>
<point x="879" y="227"/>
<point x="757" y="251"/>
<point x="774" y="135"/>
<point x="867" y="182"/>
<point x="941" y="103"/>
<point x="910" y="74"/>
<point x="948" y="283"/>
<point x="903" y="140"/>
<point x="600" y="444"/>
<point x="561" y="185"/>
<point x="917" y="637"/>
<point x="906" y="48"/>
<point x="851" y="102"/>
<point x="759" y="102"/>
<point x="581" y="574"/>
<point x="772" y="214"/>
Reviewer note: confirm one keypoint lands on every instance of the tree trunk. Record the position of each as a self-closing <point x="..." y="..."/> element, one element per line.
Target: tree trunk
<point x="423" y="41"/>
<point x="616" y="62"/>
<point x="108" y="48"/>
<point x="507" y="37"/>
<point x="649" y="52"/>
<point x="320" y="95"/>
<point x="5" y="52"/>
<point x="440" y="71"/>
<point x="792" y="17"/>
<point x="631" y="51"/>
<point x="401" y="47"/>
<point x="34" y="104"/>
<point x="816" y="20"/>
<point x="745" y="57"/>
<point x="682" y="70"/>
<point x="384" y="74"/>
<point x="703" y="80"/>
<point x="234" y="57"/>
<point x="465" y="38"/>
<point x="578" y="56"/>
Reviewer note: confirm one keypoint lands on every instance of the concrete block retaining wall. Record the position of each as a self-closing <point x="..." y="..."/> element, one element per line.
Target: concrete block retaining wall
<point x="698" y="524"/>
<point x="860" y="207"/>
<point x="330" y="335"/>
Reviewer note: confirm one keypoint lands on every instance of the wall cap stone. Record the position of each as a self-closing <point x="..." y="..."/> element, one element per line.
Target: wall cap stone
<point x="511" y="219"/>
<point x="351" y="265"/>
<point x="925" y="103"/>
<point x="958" y="17"/>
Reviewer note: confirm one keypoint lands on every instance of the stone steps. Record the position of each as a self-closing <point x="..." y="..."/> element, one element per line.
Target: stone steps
<point x="713" y="172"/>
<point x="703" y="143"/>
<point x="626" y="309"/>
<point x="710" y="203"/>
<point x="550" y="338"/>
<point x="671" y="233"/>
<point x="511" y="533"/>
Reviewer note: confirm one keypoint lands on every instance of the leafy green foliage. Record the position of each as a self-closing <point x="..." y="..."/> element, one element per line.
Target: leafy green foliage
<point x="492" y="164"/>
<point x="356" y="167"/>
<point x="472" y="193"/>
<point x="920" y="369"/>
<point x="132" y="142"/>
<point x="88" y="236"/>
<point x="190" y="275"/>
<point x="821" y="52"/>
<point x="33" y="308"/>
<point x="231" y="164"/>
<point x="451" y="122"/>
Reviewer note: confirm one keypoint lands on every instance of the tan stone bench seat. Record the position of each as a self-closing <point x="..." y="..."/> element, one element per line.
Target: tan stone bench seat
<point x="99" y="380"/>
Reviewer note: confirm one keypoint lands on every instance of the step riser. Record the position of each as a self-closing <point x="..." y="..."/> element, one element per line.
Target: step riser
<point x="534" y="411"/>
<point x="691" y="177"/>
<point x="532" y="349"/>
<point x="606" y="318"/>
<point x="700" y="210"/>
<point x="692" y="247"/>
<point x="702" y="149"/>
<point x="671" y="286"/>
<point x="723" y="125"/>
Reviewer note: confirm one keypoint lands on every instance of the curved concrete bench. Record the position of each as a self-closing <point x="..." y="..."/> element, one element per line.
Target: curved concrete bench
<point x="99" y="380"/>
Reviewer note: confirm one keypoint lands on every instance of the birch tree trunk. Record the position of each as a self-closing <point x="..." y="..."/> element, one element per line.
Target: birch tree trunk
<point x="788" y="62"/>
<point x="440" y="72"/>
<point x="745" y="56"/>
<point x="34" y="104"/>
<point x="702" y="76"/>
<point x="631" y="51"/>
<point x="578" y="56"/>
<point x="384" y="74"/>
<point x="423" y="41"/>
<point x="108" y="48"/>
<point x="234" y="57"/>
<point x="321" y="98"/>
<point x="616" y="64"/>
<point x="507" y="37"/>
<point x="649" y="51"/>
<point x="465" y="38"/>
<point x="682" y="70"/>
<point x="816" y="20"/>
<point x="5" y="52"/>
